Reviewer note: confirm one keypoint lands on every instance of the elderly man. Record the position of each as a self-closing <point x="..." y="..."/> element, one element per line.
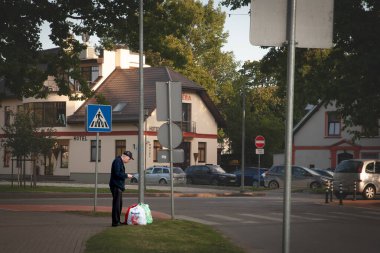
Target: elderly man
<point x="117" y="185"/>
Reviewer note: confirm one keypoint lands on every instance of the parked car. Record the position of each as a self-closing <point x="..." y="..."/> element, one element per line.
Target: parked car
<point x="209" y="174"/>
<point x="366" y="174"/>
<point x="251" y="176"/>
<point x="325" y="173"/>
<point x="302" y="177"/>
<point x="161" y="175"/>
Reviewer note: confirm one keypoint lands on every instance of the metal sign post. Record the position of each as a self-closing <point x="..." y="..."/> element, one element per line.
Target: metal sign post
<point x="98" y="119"/>
<point x="169" y="108"/>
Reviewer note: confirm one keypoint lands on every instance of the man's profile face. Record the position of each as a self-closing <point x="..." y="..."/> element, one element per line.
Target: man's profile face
<point x="125" y="158"/>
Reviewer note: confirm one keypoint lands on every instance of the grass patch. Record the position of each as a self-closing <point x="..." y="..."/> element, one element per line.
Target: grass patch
<point x="162" y="236"/>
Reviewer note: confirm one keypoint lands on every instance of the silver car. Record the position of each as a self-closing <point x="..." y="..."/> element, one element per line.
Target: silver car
<point x="161" y="175"/>
<point x="302" y="177"/>
<point x="364" y="173"/>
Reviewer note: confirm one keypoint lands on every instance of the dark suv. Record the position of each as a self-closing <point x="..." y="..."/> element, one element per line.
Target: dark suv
<point x="209" y="174"/>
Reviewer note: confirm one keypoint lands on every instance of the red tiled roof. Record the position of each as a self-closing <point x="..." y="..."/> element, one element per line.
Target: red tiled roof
<point x="123" y="86"/>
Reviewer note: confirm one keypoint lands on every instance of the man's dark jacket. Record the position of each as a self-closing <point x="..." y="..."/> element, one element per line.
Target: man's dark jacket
<point x="118" y="175"/>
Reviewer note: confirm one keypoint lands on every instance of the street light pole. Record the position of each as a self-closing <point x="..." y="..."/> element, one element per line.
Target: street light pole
<point x="243" y="140"/>
<point x="141" y="144"/>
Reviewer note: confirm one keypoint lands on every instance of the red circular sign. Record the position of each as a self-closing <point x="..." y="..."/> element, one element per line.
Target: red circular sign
<point x="260" y="141"/>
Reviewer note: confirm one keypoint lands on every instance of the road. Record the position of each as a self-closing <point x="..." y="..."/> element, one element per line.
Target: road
<point x="255" y="223"/>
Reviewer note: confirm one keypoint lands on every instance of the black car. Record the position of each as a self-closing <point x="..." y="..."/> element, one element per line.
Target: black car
<point x="251" y="176"/>
<point x="209" y="174"/>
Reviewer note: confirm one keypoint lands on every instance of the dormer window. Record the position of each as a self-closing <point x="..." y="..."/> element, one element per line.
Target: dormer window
<point x="90" y="73"/>
<point x="119" y="107"/>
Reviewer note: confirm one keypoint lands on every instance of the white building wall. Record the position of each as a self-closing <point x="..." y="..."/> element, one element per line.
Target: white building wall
<point x="316" y="158"/>
<point x="79" y="141"/>
<point x="312" y="146"/>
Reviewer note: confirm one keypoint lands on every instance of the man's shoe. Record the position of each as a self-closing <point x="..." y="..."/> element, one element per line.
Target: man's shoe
<point x="115" y="224"/>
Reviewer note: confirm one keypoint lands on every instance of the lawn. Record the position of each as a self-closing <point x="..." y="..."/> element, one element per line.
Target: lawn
<point x="162" y="236"/>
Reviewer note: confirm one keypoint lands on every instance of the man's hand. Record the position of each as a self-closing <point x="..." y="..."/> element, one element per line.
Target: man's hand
<point x="130" y="176"/>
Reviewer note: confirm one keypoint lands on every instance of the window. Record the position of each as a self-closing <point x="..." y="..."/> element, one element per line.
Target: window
<point x="47" y="114"/>
<point x="90" y="74"/>
<point x="377" y="167"/>
<point x="156" y="147"/>
<point x="7" y="157"/>
<point x="119" y="107"/>
<point x="120" y="147"/>
<point x="93" y="150"/>
<point x="64" y="156"/>
<point x="202" y="152"/>
<point x="157" y="171"/>
<point x="186" y="117"/>
<point x="333" y="124"/>
<point x="7" y="116"/>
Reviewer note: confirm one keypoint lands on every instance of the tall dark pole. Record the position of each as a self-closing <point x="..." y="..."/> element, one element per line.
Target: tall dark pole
<point x="290" y="35"/>
<point x="141" y="155"/>
<point x="243" y="141"/>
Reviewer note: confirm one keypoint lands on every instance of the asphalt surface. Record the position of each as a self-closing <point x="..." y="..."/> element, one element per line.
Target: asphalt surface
<point x="36" y="228"/>
<point x="31" y="228"/>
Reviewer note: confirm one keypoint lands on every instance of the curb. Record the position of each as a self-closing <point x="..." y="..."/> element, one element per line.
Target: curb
<point x="21" y="195"/>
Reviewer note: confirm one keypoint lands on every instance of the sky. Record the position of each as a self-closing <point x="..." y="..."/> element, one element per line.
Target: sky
<point x="237" y="25"/>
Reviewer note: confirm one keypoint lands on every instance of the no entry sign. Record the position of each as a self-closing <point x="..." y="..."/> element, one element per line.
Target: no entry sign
<point x="260" y="141"/>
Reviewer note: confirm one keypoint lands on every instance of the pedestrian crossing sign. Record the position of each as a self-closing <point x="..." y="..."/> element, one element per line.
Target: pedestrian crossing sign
<point x="99" y="118"/>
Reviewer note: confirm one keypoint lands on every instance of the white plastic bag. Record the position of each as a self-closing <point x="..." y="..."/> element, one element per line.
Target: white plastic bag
<point x="136" y="216"/>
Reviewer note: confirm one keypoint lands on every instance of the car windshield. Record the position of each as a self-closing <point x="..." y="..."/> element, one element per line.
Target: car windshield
<point x="149" y="171"/>
<point x="349" y="166"/>
<point x="217" y="169"/>
<point x="177" y="170"/>
<point x="322" y="172"/>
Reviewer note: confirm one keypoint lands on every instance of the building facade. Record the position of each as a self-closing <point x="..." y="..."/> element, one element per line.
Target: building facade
<point x="320" y="140"/>
<point x="114" y="75"/>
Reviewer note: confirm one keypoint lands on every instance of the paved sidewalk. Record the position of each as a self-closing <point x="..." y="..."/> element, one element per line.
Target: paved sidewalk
<point x="32" y="228"/>
<point x="47" y="228"/>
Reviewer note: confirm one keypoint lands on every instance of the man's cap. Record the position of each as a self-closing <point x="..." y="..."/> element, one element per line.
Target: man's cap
<point x="129" y="154"/>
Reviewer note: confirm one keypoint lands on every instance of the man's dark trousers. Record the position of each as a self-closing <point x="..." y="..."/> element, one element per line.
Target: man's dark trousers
<point x="117" y="205"/>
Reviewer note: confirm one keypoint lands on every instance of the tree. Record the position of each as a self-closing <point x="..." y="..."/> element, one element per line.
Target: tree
<point x="184" y="35"/>
<point x="25" y="140"/>
<point x="347" y="73"/>
<point x="188" y="37"/>
<point x="264" y="114"/>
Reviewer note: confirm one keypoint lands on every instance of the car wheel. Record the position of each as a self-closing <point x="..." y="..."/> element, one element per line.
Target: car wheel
<point x="273" y="185"/>
<point x="214" y="182"/>
<point x="134" y="180"/>
<point x="189" y="180"/>
<point x="162" y="181"/>
<point x="315" y="185"/>
<point x="255" y="184"/>
<point x="369" y="192"/>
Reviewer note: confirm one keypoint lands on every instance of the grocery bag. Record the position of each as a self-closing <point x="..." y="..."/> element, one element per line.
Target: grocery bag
<point x="136" y="216"/>
<point x="148" y="213"/>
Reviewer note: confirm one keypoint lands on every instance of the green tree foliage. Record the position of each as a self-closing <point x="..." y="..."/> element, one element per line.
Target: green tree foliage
<point x="185" y="35"/>
<point x="264" y="114"/>
<point x="188" y="37"/>
<point x="347" y="73"/>
<point x="25" y="140"/>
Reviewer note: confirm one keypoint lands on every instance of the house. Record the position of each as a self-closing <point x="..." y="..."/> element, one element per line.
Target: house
<point x="320" y="141"/>
<point x="115" y="75"/>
